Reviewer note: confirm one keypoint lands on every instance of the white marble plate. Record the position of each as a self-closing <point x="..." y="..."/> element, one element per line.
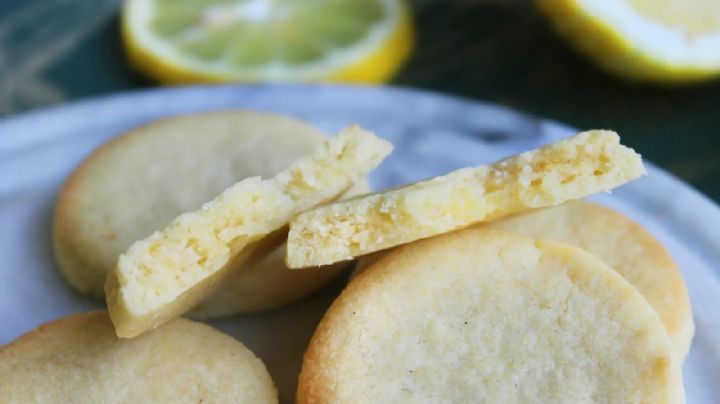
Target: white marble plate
<point x="433" y="134"/>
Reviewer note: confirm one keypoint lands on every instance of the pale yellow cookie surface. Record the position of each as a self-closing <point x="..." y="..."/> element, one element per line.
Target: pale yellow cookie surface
<point x="626" y="247"/>
<point x="138" y="182"/>
<point x="78" y="359"/>
<point x="572" y="168"/>
<point x="619" y="242"/>
<point x="485" y="316"/>
<point x="164" y="275"/>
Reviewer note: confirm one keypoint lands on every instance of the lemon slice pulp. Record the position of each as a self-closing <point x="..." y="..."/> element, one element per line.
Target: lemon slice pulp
<point x="180" y="41"/>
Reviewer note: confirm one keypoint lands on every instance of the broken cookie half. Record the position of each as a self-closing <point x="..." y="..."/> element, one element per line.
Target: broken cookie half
<point x="572" y="168"/>
<point x="166" y="274"/>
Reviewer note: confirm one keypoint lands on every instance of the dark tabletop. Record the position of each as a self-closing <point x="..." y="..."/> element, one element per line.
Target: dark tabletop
<point x="495" y="50"/>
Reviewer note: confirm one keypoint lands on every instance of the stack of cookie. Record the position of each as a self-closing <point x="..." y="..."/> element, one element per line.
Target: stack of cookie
<point x="487" y="284"/>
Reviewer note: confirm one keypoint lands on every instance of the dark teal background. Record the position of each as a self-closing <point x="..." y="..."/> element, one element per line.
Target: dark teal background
<point x="498" y="51"/>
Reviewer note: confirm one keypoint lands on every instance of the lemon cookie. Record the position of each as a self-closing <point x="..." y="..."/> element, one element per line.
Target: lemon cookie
<point x="78" y="359"/>
<point x="138" y="182"/>
<point x="162" y="276"/>
<point x="626" y="247"/>
<point x="585" y="164"/>
<point x="485" y="316"/>
<point x="619" y="242"/>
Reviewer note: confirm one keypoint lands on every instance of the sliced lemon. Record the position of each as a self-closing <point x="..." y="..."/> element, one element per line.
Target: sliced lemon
<point x="186" y="41"/>
<point x="667" y="41"/>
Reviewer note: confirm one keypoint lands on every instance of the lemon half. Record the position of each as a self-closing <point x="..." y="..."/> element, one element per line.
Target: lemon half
<point x="191" y="41"/>
<point x="666" y="41"/>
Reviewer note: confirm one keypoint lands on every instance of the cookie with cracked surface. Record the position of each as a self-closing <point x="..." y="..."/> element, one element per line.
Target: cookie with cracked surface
<point x="573" y="168"/>
<point x="139" y="181"/>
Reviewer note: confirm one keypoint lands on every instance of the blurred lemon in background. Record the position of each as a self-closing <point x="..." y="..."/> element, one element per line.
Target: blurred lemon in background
<point x="196" y="41"/>
<point x="666" y="41"/>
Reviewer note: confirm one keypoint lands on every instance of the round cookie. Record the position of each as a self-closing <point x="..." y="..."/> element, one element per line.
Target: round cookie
<point x="619" y="242"/>
<point x="482" y="315"/>
<point x="626" y="247"/>
<point x="138" y="182"/>
<point x="79" y="359"/>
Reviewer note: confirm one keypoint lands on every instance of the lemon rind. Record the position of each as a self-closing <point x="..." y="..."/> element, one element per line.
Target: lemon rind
<point x="625" y="42"/>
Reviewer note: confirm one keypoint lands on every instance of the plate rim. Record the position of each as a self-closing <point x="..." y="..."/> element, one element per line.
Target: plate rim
<point x="55" y="112"/>
<point x="9" y="124"/>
